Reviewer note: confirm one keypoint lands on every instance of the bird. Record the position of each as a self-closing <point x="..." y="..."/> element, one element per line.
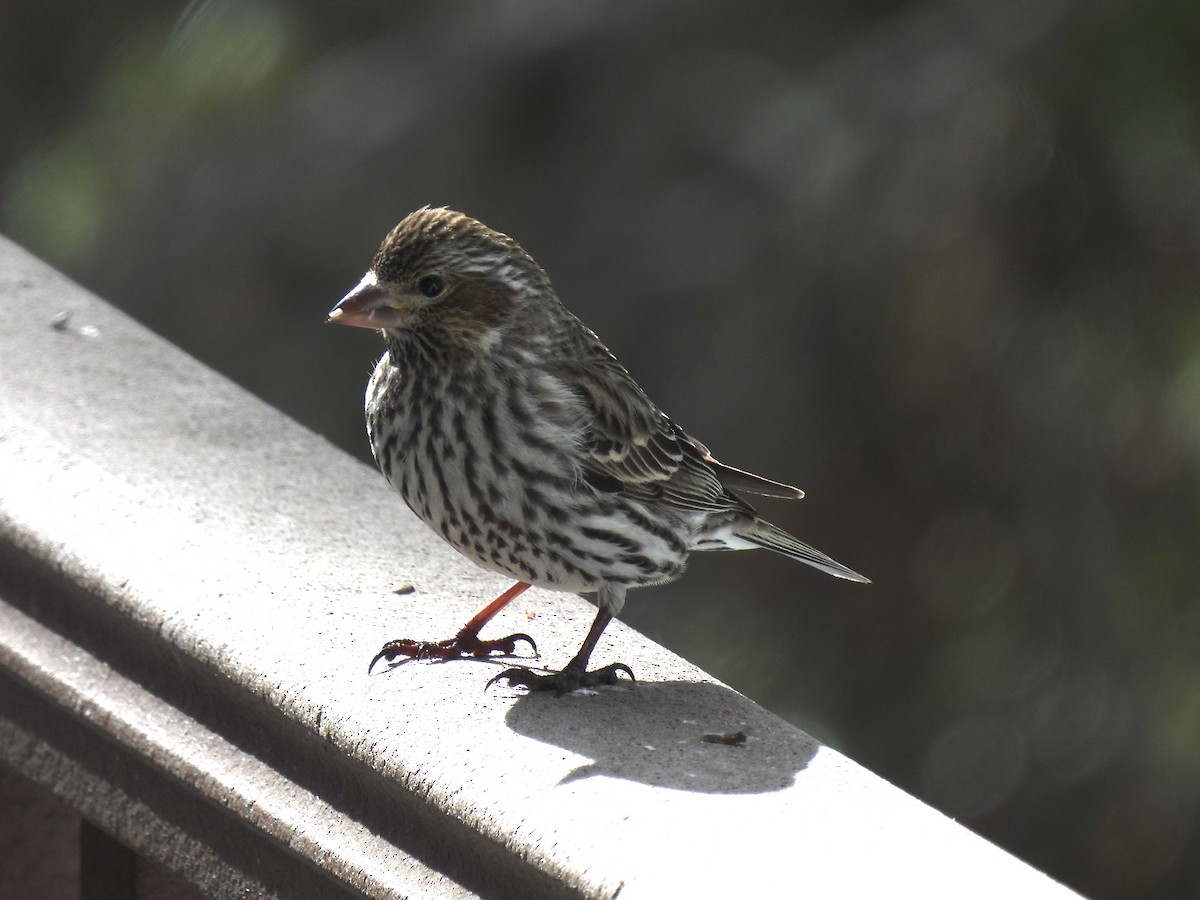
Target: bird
<point x="512" y="431"/>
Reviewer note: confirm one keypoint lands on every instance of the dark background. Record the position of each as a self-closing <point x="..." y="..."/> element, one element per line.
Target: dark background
<point x="934" y="262"/>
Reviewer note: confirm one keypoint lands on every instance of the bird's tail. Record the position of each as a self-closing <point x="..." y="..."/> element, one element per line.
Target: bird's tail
<point x="763" y="534"/>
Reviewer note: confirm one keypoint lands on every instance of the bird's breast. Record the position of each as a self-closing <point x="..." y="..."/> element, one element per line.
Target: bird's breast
<point x="490" y="459"/>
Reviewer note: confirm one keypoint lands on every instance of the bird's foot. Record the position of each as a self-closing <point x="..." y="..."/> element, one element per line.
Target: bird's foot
<point x="456" y="647"/>
<point x="562" y="682"/>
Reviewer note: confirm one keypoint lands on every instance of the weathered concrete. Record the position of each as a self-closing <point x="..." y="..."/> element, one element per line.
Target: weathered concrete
<point x="192" y="585"/>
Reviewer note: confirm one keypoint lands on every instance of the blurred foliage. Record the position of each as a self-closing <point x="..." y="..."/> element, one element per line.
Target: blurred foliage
<point x="936" y="262"/>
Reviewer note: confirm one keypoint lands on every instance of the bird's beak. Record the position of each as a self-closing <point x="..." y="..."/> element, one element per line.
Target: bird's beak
<point x="367" y="306"/>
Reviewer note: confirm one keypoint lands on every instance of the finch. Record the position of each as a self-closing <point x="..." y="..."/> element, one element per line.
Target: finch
<point x="512" y="431"/>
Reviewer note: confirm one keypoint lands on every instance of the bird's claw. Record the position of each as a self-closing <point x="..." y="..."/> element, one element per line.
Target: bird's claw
<point x="563" y="682"/>
<point x="454" y="648"/>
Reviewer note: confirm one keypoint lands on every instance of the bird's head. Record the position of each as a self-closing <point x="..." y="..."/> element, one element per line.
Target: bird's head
<point x="440" y="268"/>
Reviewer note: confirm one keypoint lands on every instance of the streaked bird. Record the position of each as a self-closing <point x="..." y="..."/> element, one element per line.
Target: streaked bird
<point x="511" y="431"/>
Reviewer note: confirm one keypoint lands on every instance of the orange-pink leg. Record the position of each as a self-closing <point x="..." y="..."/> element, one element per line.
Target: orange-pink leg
<point x="467" y="642"/>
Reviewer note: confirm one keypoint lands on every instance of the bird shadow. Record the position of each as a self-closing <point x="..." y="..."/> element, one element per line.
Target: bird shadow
<point x="690" y="736"/>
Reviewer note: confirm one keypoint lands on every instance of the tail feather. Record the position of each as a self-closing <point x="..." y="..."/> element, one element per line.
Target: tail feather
<point x="764" y="534"/>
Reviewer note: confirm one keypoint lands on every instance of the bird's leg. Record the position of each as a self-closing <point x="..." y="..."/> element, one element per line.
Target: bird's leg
<point x="467" y="642"/>
<point x="575" y="675"/>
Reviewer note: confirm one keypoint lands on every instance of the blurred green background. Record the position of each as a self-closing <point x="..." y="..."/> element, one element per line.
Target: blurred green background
<point x="934" y="262"/>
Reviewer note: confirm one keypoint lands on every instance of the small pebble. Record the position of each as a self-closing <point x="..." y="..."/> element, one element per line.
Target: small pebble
<point x="733" y="738"/>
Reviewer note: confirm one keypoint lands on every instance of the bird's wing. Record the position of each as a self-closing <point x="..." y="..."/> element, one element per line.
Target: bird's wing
<point x="632" y="447"/>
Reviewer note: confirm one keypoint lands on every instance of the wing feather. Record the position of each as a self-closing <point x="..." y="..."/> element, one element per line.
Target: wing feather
<point x="630" y="441"/>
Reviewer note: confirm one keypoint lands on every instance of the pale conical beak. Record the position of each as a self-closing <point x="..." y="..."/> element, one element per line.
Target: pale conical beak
<point x="367" y="306"/>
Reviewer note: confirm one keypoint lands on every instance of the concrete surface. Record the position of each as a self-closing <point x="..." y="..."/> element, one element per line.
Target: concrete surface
<point x="192" y="586"/>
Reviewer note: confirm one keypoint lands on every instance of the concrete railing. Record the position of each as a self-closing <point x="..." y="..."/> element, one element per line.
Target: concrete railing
<point x="191" y="586"/>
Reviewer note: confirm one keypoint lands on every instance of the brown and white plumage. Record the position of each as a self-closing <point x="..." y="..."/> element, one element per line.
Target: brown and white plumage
<point x="512" y="431"/>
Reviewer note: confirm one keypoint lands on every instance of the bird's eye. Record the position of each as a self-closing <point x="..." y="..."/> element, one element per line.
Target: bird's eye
<point x="431" y="285"/>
